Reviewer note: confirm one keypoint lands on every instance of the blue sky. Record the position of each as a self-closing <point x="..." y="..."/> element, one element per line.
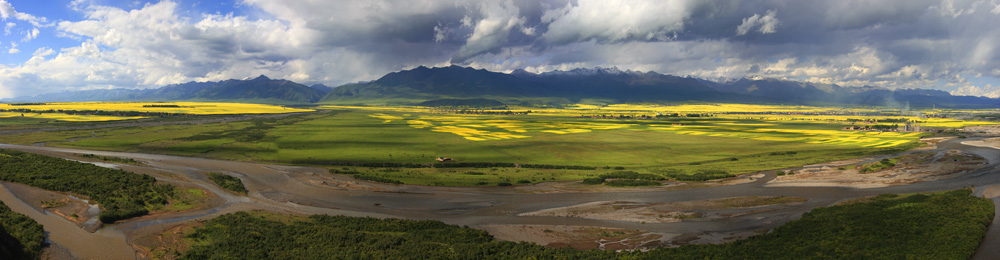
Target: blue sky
<point x="62" y="10"/>
<point x="951" y="45"/>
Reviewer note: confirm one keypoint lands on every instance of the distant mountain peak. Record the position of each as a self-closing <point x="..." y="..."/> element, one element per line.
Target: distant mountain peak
<point x="261" y="78"/>
<point x="521" y="72"/>
<point x="594" y="71"/>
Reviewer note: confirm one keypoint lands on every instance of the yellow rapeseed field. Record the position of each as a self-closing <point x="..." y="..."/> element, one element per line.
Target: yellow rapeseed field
<point x="65" y="117"/>
<point x="196" y="108"/>
<point x="820" y="125"/>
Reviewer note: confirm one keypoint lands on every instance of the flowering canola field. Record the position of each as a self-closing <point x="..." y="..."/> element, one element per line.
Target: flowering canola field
<point x="196" y="108"/>
<point x="805" y="124"/>
<point x="65" y="117"/>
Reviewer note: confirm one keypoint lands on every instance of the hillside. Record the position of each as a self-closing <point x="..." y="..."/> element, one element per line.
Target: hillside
<point x="598" y="85"/>
<point x="258" y="90"/>
<point x="611" y="85"/>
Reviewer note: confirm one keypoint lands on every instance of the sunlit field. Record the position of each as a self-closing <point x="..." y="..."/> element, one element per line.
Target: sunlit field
<point x="732" y="138"/>
<point x="65" y="117"/>
<point x="194" y="108"/>
<point x="726" y="120"/>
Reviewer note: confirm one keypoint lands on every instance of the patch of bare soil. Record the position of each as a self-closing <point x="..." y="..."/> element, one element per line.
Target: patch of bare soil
<point x="992" y="191"/>
<point x="909" y="169"/>
<point x="579" y="187"/>
<point x="931" y="143"/>
<point x="580" y="237"/>
<point x="989" y="143"/>
<point x="982" y="130"/>
<point x="330" y="181"/>
<point x="168" y="243"/>
<point x="57" y="252"/>
<point x="669" y="212"/>
<point x="60" y="204"/>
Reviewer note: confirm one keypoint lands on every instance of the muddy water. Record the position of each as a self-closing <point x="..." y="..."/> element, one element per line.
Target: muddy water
<point x="106" y="243"/>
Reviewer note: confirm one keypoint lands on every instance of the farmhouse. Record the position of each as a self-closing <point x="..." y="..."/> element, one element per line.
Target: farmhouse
<point x="444" y="159"/>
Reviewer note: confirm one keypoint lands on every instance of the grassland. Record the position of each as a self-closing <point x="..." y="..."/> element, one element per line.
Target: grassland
<point x="716" y="141"/>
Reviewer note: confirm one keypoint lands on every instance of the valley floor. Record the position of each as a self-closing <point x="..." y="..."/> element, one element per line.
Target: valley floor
<point x="289" y="189"/>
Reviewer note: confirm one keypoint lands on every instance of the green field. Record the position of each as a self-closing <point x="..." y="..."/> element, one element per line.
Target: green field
<point x="686" y="145"/>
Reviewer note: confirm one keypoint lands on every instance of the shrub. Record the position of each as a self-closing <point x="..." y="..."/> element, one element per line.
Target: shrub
<point x="377" y="179"/>
<point x="700" y="175"/>
<point x="593" y="181"/>
<point x="632" y="183"/>
<point x="227" y="182"/>
<point x="631" y="175"/>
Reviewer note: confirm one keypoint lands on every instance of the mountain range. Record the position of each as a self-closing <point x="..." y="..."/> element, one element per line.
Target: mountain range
<point x="611" y="85"/>
<point x="259" y="90"/>
<point x="604" y="85"/>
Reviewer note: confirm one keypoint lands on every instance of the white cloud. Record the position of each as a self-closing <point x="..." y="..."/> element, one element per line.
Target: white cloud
<point x="440" y="33"/>
<point x="765" y="24"/>
<point x="161" y="44"/>
<point x="29" y="35"/>
<point x="616" y="21"/>
<point x="43" y="51"/>
<point x="985" y="91"/>
<point x="7" y="27"/>
<point x="492" y="31"/>
<point x="13" y="48"/>
<point x="7" y="11"/>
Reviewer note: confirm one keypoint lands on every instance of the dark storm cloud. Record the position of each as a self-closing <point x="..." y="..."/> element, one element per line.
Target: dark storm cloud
<point x="893" y="43"/>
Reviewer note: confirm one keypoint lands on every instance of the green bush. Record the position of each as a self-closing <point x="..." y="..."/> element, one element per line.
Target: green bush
<point x="227" y="182"/>
<point x="28" y="233"/>
<point x="377" y="179"/>
<point x="700" y="175"/>
<point x="631" y="175"/>
<point x="632" y="183"/>
<point x="593" y="181"/>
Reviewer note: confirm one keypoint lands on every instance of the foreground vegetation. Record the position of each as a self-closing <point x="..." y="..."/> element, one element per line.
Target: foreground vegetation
<point x="28" y="236"/>
<point x="945" y="225"/>
<point x="121" y="194"/>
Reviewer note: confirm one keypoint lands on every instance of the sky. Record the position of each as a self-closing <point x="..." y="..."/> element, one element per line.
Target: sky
<point x="62" y="45"/>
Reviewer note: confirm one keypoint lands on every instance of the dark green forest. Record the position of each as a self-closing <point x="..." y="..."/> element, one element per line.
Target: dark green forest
<point x="20" y="236"/>
<point x="946" y="225"/>
<point x="121" y="194"/>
